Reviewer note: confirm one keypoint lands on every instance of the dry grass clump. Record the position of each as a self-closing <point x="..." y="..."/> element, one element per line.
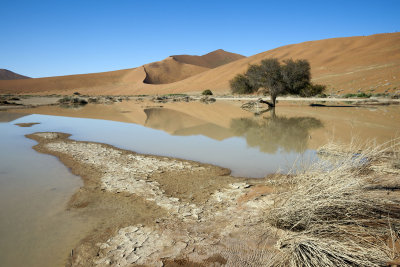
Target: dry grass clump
<point x="335" y="215"/>
<point x="242" y="256"/>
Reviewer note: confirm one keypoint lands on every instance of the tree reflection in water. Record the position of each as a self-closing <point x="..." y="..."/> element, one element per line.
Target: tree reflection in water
<point x="276" y="132"/>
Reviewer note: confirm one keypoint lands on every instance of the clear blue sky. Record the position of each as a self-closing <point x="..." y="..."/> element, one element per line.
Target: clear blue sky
<point x="57" y="37"/>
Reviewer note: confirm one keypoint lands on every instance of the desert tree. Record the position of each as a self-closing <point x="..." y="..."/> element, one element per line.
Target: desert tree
<point x="291" y="77"/>
<point x="268" y="75"/>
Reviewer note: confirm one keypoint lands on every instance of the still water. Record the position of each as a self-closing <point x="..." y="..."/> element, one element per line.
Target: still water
<point x="265" y="150"/>
<point x="35" y="228"/>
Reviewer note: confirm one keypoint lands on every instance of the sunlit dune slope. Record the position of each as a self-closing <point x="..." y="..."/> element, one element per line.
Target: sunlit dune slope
<point x="365" y="63"/>
<point x="70" y="83"/>
<point x="349" y="64"/>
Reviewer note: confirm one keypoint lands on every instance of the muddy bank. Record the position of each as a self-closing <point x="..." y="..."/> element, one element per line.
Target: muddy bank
<point x="160" y="211"/>
<point x="157" y="209"/>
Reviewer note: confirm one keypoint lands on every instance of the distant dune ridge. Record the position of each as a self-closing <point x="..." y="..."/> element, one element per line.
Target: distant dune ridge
<point x="170" y="70"/>
<point x="9" y="75"/>
<point x="179" y="67"/>
<point x="211" y="60"/>
<point x="351" y="64"/>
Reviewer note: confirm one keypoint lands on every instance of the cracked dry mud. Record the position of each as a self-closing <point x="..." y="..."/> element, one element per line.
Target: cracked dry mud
<point x="160" y="211"/>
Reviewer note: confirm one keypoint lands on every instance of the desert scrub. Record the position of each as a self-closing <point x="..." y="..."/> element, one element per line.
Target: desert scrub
<point x="339" y="212"/>
<point x="207" y="92"/>
<point x="69" y="100"/>
<point x="360" y="95"/>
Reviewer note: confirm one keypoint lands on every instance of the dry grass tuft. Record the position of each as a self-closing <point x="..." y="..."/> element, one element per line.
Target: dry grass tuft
<point x="242" y="256"/>
<point x="334" y="214"/>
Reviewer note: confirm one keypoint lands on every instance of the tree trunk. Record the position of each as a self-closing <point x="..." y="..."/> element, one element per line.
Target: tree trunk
<point x="273" y="114"/>
<point x="273" y="97"/>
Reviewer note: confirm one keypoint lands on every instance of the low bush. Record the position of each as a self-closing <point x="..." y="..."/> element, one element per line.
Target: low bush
<point x="207" y="92"/>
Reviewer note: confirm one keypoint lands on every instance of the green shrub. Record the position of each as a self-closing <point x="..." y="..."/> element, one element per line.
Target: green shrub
<point x="313" y="90"/>
<point x="207" y="92"/>
<point x="349" y="95"/>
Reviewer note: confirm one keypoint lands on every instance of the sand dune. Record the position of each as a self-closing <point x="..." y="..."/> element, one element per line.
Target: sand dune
<point x="10" y="75"/>
<point x="179" y="67"/>
<point x="211" y="60"/>
<point x="348" y="64"/>
<point x="169" y="70"/>
<point x="366" y="63"/>
<point x="64" y="84"/>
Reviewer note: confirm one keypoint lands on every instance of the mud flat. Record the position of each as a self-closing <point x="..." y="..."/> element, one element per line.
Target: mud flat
<point x="160" y="211"/>
<point x="155" y="209"/>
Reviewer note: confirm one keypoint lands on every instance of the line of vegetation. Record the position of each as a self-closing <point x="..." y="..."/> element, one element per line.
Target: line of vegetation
<point x="359" y="95"/>
<point x="175" y="95"/>
<point x="365" y="95"/>
<point x="273" y="78"/>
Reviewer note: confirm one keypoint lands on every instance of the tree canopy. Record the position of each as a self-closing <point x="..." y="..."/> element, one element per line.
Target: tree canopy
<point x="290" y="77"/>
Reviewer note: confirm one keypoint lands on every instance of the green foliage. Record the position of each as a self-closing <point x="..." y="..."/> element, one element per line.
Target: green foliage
<point x="312" y="90"/>
<point x="291" y="77"/>
<point x="207" y="92"/>
<point x="296" y="75"/>
<point x="240" y="84"/>
<point x="175" y="95"/>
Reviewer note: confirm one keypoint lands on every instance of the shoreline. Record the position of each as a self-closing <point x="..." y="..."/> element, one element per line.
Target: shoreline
<point x="33" y="101"/>
<point x="186" y="205"/>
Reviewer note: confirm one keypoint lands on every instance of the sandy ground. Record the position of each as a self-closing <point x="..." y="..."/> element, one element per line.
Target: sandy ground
<point x="154" y="209"/>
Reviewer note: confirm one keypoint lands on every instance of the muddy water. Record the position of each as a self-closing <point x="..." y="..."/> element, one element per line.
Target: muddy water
<point x="36" y="230"/>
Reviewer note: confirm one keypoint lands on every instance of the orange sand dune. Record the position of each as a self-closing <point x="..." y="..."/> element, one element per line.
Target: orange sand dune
<point x="70" y="83"/>
<point x="348" y="64"/>
<point x="211" y="60"/>
<point x="365" y="63"/>
<point x="169" y="70"/>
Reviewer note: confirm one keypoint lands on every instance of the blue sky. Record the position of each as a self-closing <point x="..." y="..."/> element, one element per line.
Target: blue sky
<point x="49" y="38"/>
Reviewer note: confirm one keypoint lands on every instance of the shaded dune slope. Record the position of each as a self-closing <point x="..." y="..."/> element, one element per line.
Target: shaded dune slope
<point x="10" y="75"/>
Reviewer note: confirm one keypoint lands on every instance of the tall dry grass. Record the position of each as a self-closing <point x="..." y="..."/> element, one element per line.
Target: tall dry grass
<point x="341" y="211"/>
